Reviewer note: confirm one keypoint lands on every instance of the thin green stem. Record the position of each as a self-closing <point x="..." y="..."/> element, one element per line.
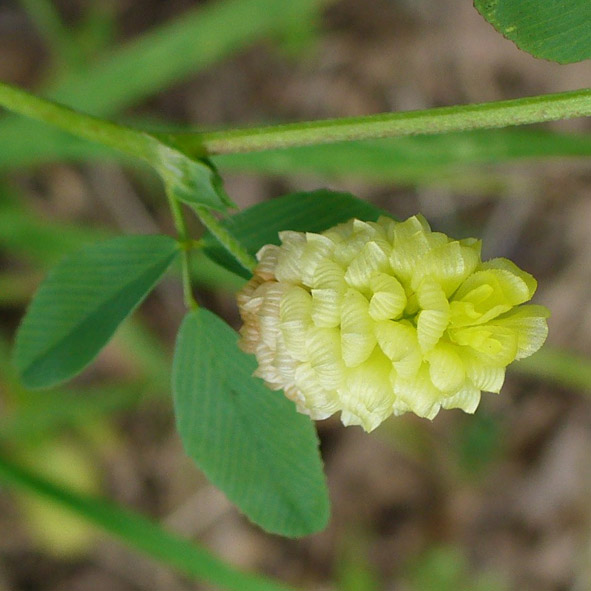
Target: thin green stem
<point x="538" y="109"/>
<point x="184" y="239"/>
<point x="230" y="243"/>
<point x="188" y="297"/>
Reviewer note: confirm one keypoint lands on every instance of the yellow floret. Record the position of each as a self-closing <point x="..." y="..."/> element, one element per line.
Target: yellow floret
<point x="373" y="319"/>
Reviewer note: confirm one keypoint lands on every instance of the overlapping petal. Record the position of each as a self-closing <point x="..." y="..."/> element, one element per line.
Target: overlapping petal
<point x="357" y="329"/>
<point x="388" y="299"/>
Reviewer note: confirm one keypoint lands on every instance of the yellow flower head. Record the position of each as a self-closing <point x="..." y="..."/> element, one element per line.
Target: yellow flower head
<point x="373" y="319"/>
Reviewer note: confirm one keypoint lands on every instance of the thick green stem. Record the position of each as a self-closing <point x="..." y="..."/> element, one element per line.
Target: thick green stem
<point x="550" y="107"/>
<point x="538" y="109"/>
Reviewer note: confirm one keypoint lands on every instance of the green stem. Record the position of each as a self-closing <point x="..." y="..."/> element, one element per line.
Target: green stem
<point x="130" y="141"/>
<point x="549" y="107"/>
<point x="185" y="240"/>
<point x="230" y="243"/>
<point x="188" y="297"/>
<point x="538" y="109"/>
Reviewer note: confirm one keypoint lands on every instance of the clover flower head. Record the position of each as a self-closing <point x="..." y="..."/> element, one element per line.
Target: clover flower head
<point x="380" y="318"/>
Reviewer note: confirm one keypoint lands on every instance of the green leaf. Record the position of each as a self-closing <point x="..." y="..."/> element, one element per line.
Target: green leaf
<point x="249" y="441"/>
<point x="303" y="212"/>
<point x="550" y="29"/>
<point x="138" y="533"/>
<point x="82" y="302"/>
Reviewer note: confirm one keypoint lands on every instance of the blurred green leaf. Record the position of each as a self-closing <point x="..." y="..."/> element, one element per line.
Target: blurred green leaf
<point x="421" y="158"/>
<point x="303" y="212"/>
<point x="553" y="30"/>
<point x="27" y="234"/>
<point x="186" y="45"/>
<point x="440" y="569"/>
<point x="445" y="160"/>
<point x="16" y="287"/>
<point x="149" y="64"/>
<point x="43" y="414"/>
<point x="445" y="568"/>
<point x="566" y="368"/>
<point x="96" y="28"/>
<point x="47" y="20"/>
<point x="479" y="441"/>
<point x="249" y="441"/>
<point x="82" y="302"/>
<point x="354" y="569"/>
<point x="207" y="273"/>
<point x="138" y="533"/>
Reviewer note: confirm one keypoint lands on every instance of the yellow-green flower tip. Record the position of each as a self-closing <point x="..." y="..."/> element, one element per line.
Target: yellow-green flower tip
<point x="374" y="319"/>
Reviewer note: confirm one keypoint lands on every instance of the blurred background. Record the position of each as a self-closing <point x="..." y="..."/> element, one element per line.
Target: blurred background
<point x="498" y="501"/>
